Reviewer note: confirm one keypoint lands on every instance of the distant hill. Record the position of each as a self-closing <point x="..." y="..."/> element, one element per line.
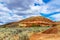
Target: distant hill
<point x="31" y="21"/>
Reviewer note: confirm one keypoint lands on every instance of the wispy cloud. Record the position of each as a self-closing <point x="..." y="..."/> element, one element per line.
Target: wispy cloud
<point x="55" y="17"/>
<point x="52" y="6"/>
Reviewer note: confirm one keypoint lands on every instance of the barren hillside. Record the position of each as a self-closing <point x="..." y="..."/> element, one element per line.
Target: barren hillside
<point x="31" y="21"/>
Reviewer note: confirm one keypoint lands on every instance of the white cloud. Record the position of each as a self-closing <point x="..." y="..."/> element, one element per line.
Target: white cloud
<point x="39" y="2"/>
<point x="33" y="11"/>
<point x="7" y="15"/>
<point x="53" y="6"/>
<point x="56" y="17"/>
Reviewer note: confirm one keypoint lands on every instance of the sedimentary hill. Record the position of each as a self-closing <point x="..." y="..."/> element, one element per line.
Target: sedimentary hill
<point x="31" y="21"/>
<point x="37" y="21"/>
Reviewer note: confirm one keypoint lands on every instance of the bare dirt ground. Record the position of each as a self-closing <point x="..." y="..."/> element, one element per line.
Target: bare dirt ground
<point x="51" y="34"/>
<point x="45" y="37"/>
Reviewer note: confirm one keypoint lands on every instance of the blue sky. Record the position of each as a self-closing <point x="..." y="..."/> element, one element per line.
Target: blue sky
<point x="15" y="10"/>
